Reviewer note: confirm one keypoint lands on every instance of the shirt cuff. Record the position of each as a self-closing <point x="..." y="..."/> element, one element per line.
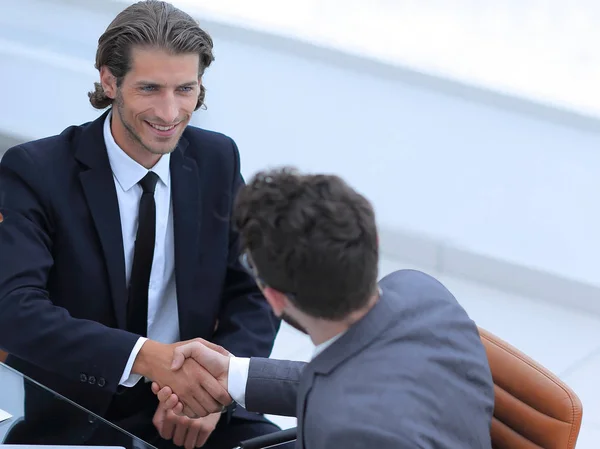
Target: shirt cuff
<point x="237" y="378"/>
<point x="128" y="379"/>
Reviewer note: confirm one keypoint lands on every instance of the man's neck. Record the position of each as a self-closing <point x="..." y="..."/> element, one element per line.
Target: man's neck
<point x="321" y="331"/>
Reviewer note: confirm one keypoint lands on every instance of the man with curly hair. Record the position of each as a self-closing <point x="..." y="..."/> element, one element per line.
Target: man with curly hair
<point x="398" y="365"/>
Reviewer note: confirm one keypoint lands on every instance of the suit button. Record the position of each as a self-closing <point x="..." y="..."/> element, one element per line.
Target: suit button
<point x="91" y="419"/>
<point x="83" y="377"/>
<point x="91" y="380"/>
<point x="101" y="382"/>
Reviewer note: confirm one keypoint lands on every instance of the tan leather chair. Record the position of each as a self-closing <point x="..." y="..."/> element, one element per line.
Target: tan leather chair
<point x="3" y="356"/>
<point x="534" y="408"/>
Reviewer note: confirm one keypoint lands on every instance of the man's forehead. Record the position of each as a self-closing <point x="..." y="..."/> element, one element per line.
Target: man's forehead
<point x="150" y="52"/>
<point x="151" y="62"/>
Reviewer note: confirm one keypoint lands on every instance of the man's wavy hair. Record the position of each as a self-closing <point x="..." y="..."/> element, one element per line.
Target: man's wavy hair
<point x="312" y="237"/>
<point x="149" y="24"/>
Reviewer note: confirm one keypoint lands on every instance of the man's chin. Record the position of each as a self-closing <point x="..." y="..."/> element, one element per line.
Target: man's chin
<point x="162" y="152"/>
<point x="163" y="149"/>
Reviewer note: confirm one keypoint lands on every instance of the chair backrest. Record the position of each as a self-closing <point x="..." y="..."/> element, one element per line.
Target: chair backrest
<point x="534" y="409"/>
<point x="3" y="356"/>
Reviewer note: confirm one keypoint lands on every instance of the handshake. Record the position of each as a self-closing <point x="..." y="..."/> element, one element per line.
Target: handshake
<point x="195" y="382"/>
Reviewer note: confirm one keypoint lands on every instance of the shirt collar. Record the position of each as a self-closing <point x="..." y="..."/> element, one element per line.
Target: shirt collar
<point x="127" y="171"/>
<point x="320" y="348"/>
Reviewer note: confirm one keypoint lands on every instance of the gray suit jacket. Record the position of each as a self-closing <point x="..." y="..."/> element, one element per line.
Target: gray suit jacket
<point x="412" y="373"/>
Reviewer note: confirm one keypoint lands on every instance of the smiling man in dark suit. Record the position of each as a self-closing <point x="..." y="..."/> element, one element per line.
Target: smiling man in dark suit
<point x="116" y="245"/>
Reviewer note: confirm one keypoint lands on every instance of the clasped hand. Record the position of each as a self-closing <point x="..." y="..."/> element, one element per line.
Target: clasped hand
<point x="173" y="425"/>
<point x="170" y="418"/>
<point x="197" y="374"/>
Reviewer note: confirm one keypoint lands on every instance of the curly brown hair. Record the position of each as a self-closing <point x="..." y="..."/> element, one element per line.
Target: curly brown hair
<point x="311" y="237"/>
<point x="149" y="23"/>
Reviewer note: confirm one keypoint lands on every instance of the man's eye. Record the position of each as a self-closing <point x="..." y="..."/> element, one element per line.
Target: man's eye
<point x="148" y="88"/>
<point x="186" y="88"/>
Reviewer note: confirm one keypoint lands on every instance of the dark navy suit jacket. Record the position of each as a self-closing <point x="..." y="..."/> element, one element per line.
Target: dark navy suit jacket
<point x="62" y="274"/>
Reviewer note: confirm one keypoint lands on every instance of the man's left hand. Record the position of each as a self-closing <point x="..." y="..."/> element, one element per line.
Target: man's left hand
<point x="172" y="425"/>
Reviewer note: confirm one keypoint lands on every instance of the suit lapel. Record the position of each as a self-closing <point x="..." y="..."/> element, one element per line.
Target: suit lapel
<point x="99" y="189"/>
<point x="354" y="340"/>
<point x="185" y="195"/>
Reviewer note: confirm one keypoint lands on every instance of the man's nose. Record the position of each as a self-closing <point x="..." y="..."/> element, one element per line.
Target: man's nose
<point x="168" y="111"/>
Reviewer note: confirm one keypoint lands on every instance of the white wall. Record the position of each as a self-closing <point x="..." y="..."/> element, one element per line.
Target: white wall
<point x="479" y="172"/>
<point x="486" y="179"/>
<point x="526" y="47"/>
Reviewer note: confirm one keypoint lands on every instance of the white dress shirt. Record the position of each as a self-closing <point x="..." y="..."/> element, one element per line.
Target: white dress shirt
<point x="163" y="320"/>
<point x="237" y="376"/>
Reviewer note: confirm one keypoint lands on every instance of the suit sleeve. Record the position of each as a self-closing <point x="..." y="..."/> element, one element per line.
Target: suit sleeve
<point x="247" y="326"/>
<point x="272" y="386"/>
<point x="32" y="327"/>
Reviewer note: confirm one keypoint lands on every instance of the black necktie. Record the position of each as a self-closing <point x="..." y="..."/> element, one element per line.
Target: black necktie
<point x="137" y="306"/>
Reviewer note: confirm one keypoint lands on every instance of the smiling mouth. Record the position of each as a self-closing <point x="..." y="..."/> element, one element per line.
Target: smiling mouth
<point x="162" y="128"/>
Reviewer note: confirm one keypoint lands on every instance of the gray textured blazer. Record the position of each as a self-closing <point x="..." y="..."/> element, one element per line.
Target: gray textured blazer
<point x="412" y="373"/>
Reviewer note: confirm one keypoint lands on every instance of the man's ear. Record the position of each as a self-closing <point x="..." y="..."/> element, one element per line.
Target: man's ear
<point x="109" y="82"/>
<point x="276" y="300"/>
